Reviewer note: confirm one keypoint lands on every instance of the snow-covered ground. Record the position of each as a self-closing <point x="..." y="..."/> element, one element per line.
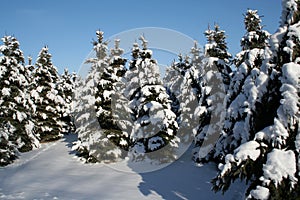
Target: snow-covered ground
<point x="54" y="172"/>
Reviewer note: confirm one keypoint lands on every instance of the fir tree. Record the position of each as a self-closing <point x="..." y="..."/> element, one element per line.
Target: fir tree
<point x="189" y="94"/>
<point x="15" y="124"/>
<point x="154" y="124"/>
<point x="217" y="47"/>
<point x="182" y="83"/>
<point x="212" y="82"/>
<point x="255" y="37"/>
<point x="48" y="101"/>
<point x="172" y="81"/>
<point x="100" y="137"/>
<point x="66" y="87"/>
<point x="268" y="157"/>
<point x="247" y="87"/>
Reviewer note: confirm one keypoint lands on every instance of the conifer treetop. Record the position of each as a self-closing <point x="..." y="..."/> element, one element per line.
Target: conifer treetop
<point x="100" y="47"/>
<point x="100" y="36"/>
<point x="116" y="51"/>
<point x="252" y="21"/>
<point x="10" y="48"/>
<point x="216" y="43"/>
<point x="144" y="42"/>
<point x="145" y="53"/>
<point x="44" y="57"/>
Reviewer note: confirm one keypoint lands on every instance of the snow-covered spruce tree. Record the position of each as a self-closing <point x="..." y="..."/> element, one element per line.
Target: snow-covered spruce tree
<point x="119" y="104"/>
<point x="182" y="84"/>
<point x="45" y="95"/>
<point x="66" y="87"/>
<point x="247" y="87"/>
<point x="213" y="83"/>
<point x="99" y="135"/>
<point x="173" y="80"/>
<point x="179" y="77"/>
<point x="190" y="92"/>
<point x="217" y="47"/>
<point x="269" y="157"/>
<point x="154" y="123"/>
<point x="15" y="125"/>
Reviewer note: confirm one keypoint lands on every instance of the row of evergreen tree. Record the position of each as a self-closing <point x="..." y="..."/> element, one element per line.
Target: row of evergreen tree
<point x="241" y="112"/>
<point x="35" y="101"/>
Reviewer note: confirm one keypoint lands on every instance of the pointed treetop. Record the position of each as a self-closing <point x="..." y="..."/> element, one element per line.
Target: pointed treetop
<point x="116" y="51"/>
<point x="195" y="51"/>
<point x="100" y="36"/>
<point x="11" y="47"/>
<point x="29" y="60"/>
<point x="135" y="45"/>
<point x="217" y="27"/>
<point x="209" y="34"/>
<point x="187" y="59"/>
<point x="100" y="47"/>
<point x="252" y="21"/>
<point x="255" y="37"/>
<point x="44" y="58"/>
<point x="144" y="42"/>
<point x="216" y="43"/>
<point x="117" y="43"/>
<point x="180" y="58"/>
<point x="66" y="71"/>
<point x="135" y="50"/>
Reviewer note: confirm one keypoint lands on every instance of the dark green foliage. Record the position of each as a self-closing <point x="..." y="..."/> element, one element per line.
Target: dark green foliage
<point x="268" y="114"/>
<point x="14" y="108"/>
<point x="255" y="37"/>
<point x="8" y="151"/>
<point x="154" y="124"/>
<point x="66" y="87"/>
<point x="217" y="46"/>
<point x="47" y="99"/>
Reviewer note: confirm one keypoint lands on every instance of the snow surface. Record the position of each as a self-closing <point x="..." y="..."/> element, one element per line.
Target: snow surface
<point x="54" y="172"/>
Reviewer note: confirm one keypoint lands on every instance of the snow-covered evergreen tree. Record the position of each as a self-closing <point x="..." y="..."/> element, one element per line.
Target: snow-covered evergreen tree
<point x="45" y="95"/>
<point x="173" y="80"/>
<point x="66" y="87"/>
<point x="15" y="125"/>
<point x="100" y="137"/>
<point x="247" y="86"/>
<point x="117" y="69"/>
<point x="267" y="154"/>
<point x="217" y="47"/>
<point x="182" y="83"/>
<point x="189" y="94"/>
<point x="213" y="82"/>
<point x="154" y="123"/>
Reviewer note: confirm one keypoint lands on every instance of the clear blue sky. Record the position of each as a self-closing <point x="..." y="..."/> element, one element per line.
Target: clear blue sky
<point x="68" y="26"/>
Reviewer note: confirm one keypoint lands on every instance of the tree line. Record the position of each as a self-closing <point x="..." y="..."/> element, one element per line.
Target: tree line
<point x="241" y="112"/>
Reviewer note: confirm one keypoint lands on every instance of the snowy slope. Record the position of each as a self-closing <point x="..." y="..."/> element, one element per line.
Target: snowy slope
<point x="53" y="172"/>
